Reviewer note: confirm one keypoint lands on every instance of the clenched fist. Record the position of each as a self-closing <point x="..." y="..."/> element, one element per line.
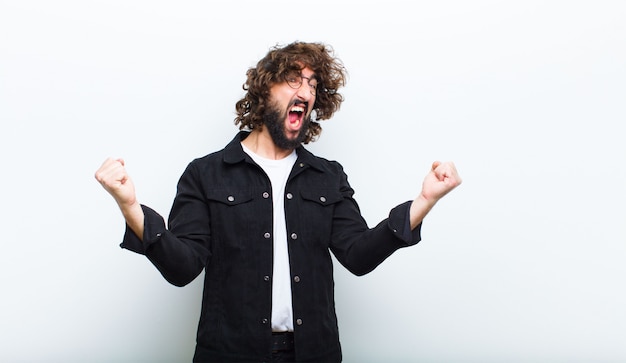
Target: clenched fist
<point x="441" y="179"/>
<point x="115" y="180"/>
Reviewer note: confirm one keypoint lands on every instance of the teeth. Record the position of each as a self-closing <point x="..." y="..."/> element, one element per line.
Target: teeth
<point x="297" y="109"/>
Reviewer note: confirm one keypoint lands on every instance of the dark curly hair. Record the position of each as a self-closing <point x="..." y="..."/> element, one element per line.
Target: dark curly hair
<point x="280" y="61"/>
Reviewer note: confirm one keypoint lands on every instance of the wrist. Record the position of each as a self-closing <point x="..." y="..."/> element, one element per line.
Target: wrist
<point x="131" y="211"/>
<point x="134" y="217"/>
<point x="425" y="201"/>
<point x="419" y="209"/>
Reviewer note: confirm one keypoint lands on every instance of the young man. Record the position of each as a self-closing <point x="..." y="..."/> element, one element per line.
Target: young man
<point x="262" y="215"/>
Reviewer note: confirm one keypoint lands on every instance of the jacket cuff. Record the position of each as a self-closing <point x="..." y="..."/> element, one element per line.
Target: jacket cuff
<point x="399" y="223"/>
<point x="153" y="228"/>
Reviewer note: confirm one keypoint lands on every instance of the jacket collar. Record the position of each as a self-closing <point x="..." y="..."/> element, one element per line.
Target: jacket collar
<point x="233" y="153"/>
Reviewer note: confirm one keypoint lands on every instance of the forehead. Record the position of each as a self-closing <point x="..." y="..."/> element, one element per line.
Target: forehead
<point x="306" y="72"/>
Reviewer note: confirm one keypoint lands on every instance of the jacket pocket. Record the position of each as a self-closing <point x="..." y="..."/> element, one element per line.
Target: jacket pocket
<point x="230" y="196"/>
<point x="317" y="213"/>
<point x="237" y="216"/>
<point x="323" y="197"/>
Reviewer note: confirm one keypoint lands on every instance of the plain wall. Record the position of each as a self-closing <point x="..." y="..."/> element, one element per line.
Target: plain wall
<point x="524" y="262"/>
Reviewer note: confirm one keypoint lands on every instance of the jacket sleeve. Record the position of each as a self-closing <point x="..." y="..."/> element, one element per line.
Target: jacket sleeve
<point x="180" y="252"/>
<point x="361" y="249"/>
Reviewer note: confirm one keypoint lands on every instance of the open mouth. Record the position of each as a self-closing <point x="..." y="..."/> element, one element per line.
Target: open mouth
<point x="296" y="115"/>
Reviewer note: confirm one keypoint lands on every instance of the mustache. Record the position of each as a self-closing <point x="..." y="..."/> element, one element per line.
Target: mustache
<point x="300" y="103"/>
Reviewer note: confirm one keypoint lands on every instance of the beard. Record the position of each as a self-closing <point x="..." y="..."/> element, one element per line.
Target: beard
<point x="274" y="120"/>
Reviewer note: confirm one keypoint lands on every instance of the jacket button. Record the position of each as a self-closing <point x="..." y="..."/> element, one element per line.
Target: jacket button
<point x="289" y="196"/>
<point x="302" y="165"/>
<point x="299" y="321"/>
<point x="267" y="235"/>
<point x="231" y="198"/>
<point x="296" y="278"/>
<point x="264" y="321"/>
<point x="266" y="278"/>
<point x="294" y="236"/>
<point x="266" y="195"/>
<point x="323" y="199"/>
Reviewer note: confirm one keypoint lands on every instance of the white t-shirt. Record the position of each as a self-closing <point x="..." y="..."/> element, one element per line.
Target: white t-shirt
<point x="278" y="172"/>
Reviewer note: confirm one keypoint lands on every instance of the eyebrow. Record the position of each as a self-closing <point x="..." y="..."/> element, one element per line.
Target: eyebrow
<point x="313" y="76"/>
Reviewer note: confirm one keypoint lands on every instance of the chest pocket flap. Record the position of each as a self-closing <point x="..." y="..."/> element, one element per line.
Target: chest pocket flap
<point x="230" y="196"/>
<point x="321" y="196"/>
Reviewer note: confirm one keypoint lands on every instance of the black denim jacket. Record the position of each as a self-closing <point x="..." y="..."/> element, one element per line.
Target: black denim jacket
<point x="221" y="221"/>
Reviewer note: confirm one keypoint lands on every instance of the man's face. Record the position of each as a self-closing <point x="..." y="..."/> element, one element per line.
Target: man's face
<point x="289" y="115"/>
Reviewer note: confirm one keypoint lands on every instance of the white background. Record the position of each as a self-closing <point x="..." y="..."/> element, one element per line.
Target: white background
<point x="524" y="262"/>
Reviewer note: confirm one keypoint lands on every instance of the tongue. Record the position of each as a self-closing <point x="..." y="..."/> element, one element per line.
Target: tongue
<point x="294" y="117"/>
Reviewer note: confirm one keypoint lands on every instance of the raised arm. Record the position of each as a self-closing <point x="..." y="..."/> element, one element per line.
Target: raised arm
<point x="441" y="179"/>
<point x="115" y="180"/>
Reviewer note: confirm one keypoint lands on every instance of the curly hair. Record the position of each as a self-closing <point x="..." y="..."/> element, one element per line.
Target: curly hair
<point x="280" y="61"/>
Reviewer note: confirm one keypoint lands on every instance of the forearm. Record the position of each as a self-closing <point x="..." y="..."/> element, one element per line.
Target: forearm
<point x="134" y="217"/>
<point x="360" y="249"/>
<point x="419" y="209"/>
<point x="179" y="259"/>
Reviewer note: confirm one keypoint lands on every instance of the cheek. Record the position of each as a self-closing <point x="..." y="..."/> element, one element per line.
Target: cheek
<point x="282" y="93"/>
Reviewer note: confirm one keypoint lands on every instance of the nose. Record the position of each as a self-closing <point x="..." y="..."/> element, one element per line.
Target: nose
<point x="305" y="91"/>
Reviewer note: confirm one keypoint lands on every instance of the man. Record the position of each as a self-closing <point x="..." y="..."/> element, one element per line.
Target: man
<point x="262" y="215"/>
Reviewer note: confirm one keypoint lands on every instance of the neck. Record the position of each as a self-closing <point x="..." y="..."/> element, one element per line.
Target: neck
<point x="261" y="143"/>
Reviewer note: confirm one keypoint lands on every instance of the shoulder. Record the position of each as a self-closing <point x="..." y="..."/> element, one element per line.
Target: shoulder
<point x="319" y="163"/>
<point x="232" y="153"/>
